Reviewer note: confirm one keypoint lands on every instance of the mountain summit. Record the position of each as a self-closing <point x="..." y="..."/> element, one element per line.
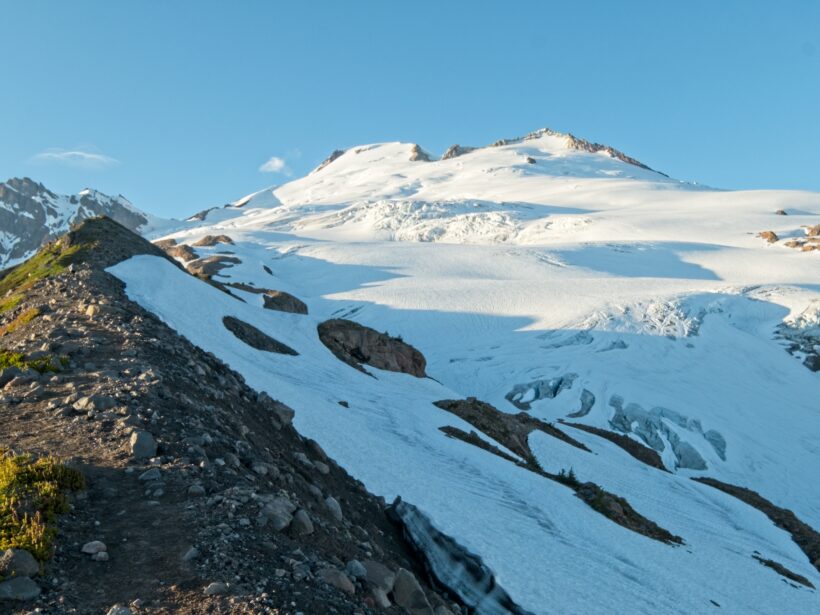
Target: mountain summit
<point x="31" y="214"/>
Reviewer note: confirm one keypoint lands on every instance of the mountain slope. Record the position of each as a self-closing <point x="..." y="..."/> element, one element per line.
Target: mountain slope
<point x="204" y="497"/>
<point x="569" y="284"/>
<point x="31" y="215"/>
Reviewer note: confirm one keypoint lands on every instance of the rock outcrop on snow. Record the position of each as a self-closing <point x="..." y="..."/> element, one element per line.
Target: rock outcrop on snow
<point x="356" y="344"/>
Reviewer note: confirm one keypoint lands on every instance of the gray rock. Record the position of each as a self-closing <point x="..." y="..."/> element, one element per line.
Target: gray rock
<point x="196" y="491"/>
<point x="334" y="508"/>
<point x="380" y="598"/>
<point x="356" y="569"/>
<point x="143" y="445"/>
<point x="19" y="588"/>
<point x="18" y="562"/>
<point x="118" y="609"/>
<point x="9" y="374"/>
<point x="337" y="579"/>
<point x="149" y="475"/>
<point x="216" y="588"/>
<point x="191" y="554"/>
<point x="97" y="403"/>
<point x="93" y="547"/>
<point x="301" y="524"/>
<point x="408" y="594"/>
<point x="278" y="513"/>
<point x="379" y="575"/>
<point x="283" y="413"/>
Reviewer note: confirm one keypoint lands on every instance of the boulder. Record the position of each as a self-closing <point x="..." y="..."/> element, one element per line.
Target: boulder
<point x="18" y="563"/>
<point x="97" y="403"/>
<point x="337" y="579"/>
<point x="379" y="576"/>
<point x="408" y="594"/>
<point x="301" y="524"/>
<point x="142" y="444"/>
<point x="19" y="588"/>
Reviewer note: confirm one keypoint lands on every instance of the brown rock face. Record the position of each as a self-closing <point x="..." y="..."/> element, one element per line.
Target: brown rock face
<point x="274" y="299"/>
<point x="284" y="302"/>
<point x="212" y="240"/>
<point x="769" y="236"/>
<point x="356" y="344"/>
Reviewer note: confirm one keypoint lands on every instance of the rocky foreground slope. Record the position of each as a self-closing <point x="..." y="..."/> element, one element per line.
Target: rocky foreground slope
<point x="201" y="496"/>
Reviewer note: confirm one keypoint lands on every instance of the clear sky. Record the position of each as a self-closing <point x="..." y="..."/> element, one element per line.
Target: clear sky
<point x="178" y="105"/>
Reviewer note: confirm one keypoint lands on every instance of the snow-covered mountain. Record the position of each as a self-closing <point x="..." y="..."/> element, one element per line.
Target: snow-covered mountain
<point x="642" y="317"/>
<point x="31" y="214"/>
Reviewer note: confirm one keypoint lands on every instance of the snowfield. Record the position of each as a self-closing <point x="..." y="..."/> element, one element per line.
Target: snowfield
<point x="537" y="276"/>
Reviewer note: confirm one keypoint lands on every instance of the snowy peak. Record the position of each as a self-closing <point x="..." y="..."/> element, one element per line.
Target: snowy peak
<point x="544" y="139"/>
<point x="31" y="214"/>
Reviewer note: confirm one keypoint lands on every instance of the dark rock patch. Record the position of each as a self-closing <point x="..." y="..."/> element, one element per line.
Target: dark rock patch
<point x="337" y="153"/>
<point x="277" y="300"/>
<point x="805" y="536"/>
<point x="621" y="512"/>
<point x="511" y="430"/>
<point x="476" y="440"/>
<point x="454" y="151"/>
<point x="255" y="338"/>
<point x="783" y="571"/>
<point x="356" y="344"/>
<point x="284" y="302"/>
<point x="636" y="449"/>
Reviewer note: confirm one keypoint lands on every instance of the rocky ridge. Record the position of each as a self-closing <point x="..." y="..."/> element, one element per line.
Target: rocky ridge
<point x="201" y="496"/>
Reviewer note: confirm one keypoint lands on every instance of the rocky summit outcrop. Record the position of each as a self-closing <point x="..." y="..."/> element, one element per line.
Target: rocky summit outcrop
<point x="200" y="496"/>
<point x="356" y="344"/>
<point x="31" y="215"/>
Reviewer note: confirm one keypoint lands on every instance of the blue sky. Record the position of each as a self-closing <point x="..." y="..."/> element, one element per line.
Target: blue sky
<point x="177" y="105"/>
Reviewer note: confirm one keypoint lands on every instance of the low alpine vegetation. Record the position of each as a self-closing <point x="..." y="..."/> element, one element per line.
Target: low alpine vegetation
<point x="32" y="495"/>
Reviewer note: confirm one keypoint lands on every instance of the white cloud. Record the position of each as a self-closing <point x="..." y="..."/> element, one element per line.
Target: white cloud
<point x="76" y="158"/>
<point x="275" y="164"/>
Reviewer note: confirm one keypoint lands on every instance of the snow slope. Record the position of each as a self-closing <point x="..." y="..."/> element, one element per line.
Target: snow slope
<point x="515" y="268"/>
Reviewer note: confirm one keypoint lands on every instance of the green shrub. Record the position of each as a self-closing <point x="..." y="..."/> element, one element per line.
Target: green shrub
<point x="18" y="359"/>
<point x="10" y="303"/>
<point x="26" y="317"/>
<point x="32" y="495"/>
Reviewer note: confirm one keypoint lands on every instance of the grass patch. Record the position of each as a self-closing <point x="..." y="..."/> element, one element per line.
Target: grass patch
<point x="18" y="359"/>
<point x="49" y="261"/>
<point x="26" y="317"/>
<point x="32" y="495"/>
<point x="10" y="303"/>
